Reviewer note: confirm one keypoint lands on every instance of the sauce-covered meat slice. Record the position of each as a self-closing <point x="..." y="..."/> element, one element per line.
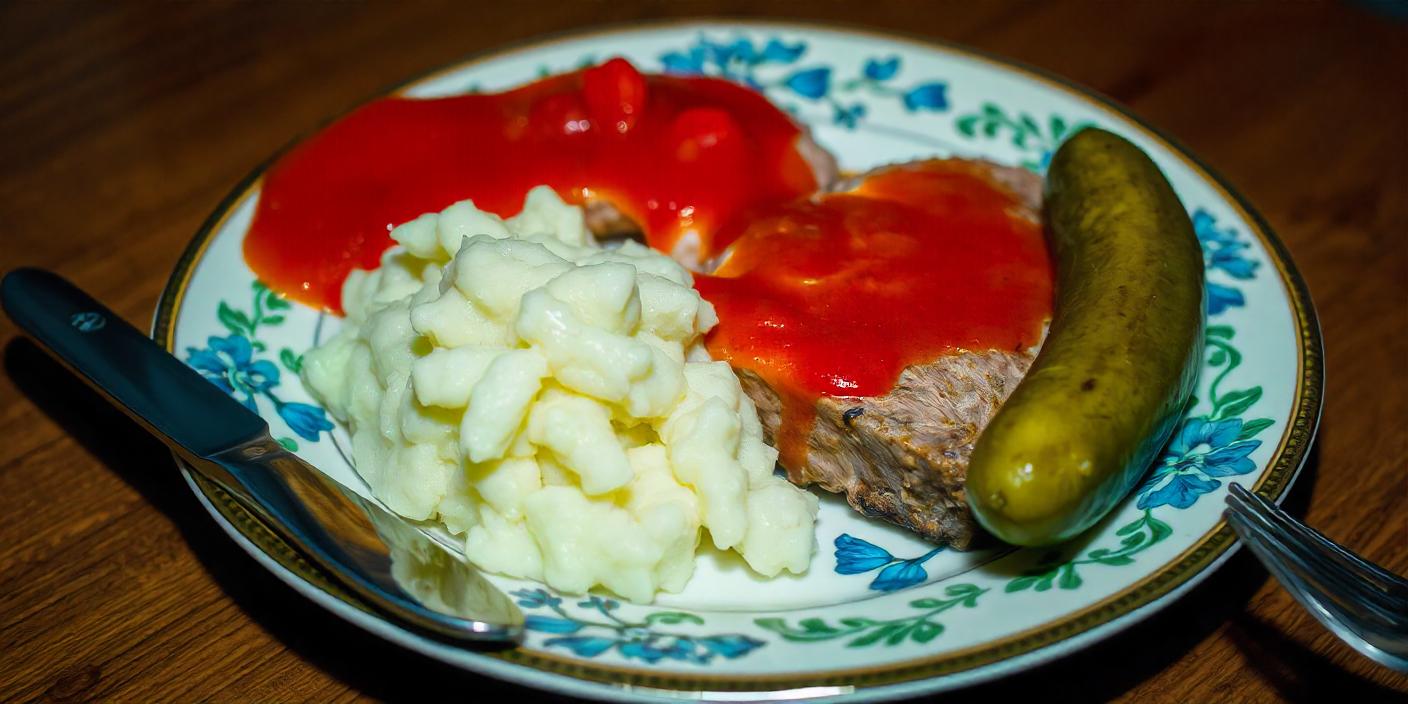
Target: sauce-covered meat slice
<point x="878" y="329"/>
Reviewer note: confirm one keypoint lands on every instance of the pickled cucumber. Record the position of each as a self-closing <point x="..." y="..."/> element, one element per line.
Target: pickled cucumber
<point x="1121" y="356"/>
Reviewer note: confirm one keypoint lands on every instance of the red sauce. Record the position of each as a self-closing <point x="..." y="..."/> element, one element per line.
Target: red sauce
<point x="827" y="296"/>
<point x="675" y="154"/>
<point x="836" y="295"/>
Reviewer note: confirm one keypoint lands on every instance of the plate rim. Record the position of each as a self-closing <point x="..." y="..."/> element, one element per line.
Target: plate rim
<point x="1038" y="644"/>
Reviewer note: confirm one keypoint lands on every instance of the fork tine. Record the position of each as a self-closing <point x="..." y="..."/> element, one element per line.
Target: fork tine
<point x="1333" y="587"/>
<point x="1342" y="584"/>
<point x="1342" y="623"/>
<point x="1362" y="604"/>
<point x="1341" y="581"/>
<point x="1389" y="582"/>
<point x="1276" y="560"/>
<point x="1382" y="645"/>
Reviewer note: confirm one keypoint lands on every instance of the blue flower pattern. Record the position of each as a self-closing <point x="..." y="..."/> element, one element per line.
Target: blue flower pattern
<point x="1202" y="452"/>
<point x="1223" y="252"/>
<point x="744" y="61"/>
<point x="636" y="641"/>
<point x="856" y="556"/>
<point x="812" y="83"/>
<point x="229" y="362"/>
<point x="881" y="69"/>
<point x="734" y="60"/>
<point x="930" y="96"/>
<point x="1206" y="449"/>
<point x="304" y="419"/>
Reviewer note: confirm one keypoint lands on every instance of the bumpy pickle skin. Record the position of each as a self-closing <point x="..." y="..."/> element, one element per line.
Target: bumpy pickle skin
<point x="1121" y="357"/>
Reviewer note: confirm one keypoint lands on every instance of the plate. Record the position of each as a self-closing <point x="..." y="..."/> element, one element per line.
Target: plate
<point x="880" y="614"/>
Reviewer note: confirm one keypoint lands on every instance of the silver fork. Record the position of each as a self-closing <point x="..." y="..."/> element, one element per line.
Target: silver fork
<point x="1362" y="603"/>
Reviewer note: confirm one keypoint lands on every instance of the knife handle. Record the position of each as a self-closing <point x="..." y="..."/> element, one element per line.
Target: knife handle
<point x="156" y="389"/>
<point x="226" y="443"/>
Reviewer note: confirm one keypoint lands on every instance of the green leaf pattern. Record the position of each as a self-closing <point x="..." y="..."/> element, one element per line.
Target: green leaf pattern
<point x="1036" y="140"/>
<point x="865" y="632"/>
<point x="265" y="303"/>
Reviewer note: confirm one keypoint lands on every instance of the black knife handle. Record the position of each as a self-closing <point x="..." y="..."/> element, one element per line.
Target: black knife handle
<point x="158" y="390"/>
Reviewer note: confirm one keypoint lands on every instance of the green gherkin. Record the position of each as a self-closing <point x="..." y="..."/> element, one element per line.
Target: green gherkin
<point x="1120" y="359"/>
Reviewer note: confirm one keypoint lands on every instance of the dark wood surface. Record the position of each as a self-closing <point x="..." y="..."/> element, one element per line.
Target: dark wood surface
<point x="122" y="126"/>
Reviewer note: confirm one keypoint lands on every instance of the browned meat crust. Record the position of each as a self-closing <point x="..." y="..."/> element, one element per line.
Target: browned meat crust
<point x="903" y="456"/>
<point x="607" y="222"/>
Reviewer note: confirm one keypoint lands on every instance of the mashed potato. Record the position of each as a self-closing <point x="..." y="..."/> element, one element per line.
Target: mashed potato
<point x="550" y="401"/>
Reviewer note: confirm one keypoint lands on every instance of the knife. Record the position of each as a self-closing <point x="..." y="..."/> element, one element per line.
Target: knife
<point x="226" y="443"/>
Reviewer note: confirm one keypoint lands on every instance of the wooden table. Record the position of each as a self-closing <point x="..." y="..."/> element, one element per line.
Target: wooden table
<point x="122" y="126"/>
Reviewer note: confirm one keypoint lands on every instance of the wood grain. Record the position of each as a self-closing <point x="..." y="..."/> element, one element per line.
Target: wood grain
<point x="122" y="125"/>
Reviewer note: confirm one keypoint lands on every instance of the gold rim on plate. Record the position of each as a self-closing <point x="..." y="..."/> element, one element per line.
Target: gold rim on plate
<point x="1285" y="463"/>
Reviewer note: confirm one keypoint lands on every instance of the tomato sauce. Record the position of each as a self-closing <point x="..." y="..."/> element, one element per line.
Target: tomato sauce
<point x="678" y="155"/>
<point x="830" y="295"/>
<point x="836" y="295"/>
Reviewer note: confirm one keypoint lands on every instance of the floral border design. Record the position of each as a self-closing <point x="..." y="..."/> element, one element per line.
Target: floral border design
<point x="1204" y="448"/>
<point x="761" y="68"/>
<point x="1037" y="139"/>
<point x="1224" y="253"/>
<point x="639" y="640"/>
<point x="1203" y="451"/>
<point x="229" y="362"/>
<point x="856" y="556"/>
<point x="918" y="628"/>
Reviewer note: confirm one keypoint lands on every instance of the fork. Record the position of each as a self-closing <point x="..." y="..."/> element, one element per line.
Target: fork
<point x="1362" y="603"/>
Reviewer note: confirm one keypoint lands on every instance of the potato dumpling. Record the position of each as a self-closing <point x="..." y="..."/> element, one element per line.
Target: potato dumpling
<point x="550" y="400"/>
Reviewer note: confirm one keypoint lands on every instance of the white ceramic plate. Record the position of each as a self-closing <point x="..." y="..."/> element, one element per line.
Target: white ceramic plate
<point x="881" y="613"/>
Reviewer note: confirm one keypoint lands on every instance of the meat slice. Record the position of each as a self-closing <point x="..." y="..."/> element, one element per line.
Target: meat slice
<point x="903" y="456"/>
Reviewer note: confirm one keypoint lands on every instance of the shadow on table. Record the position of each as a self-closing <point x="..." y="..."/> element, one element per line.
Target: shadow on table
<point x="385" y="671"/>
<point x="1297" y="673"/>
<point x="366" y="663"/>
<point x="1122" y="662"/>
